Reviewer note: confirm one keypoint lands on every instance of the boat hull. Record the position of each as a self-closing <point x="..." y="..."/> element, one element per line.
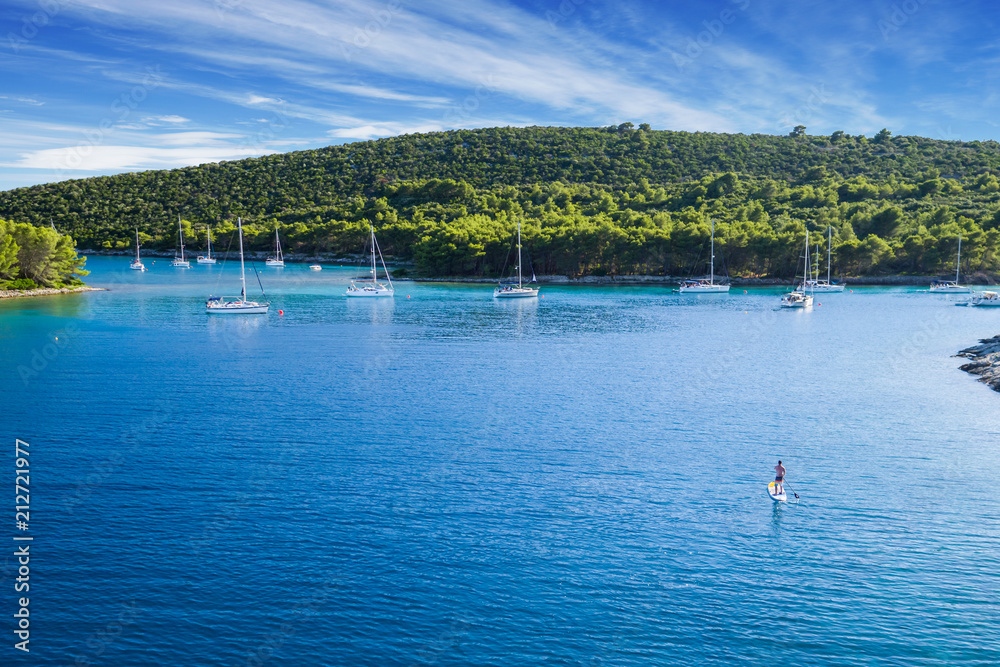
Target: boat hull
<point x="369" y="293"/>
<point x="705" y="289"/>
<point x="237" y="308"/>
<point x="181" y="265"/>
<point x="828" y="288"/>
<point x="137" y="267"/>
<point x="206" y="260"/>
<point x="950" y="289"/>
<point x="985" y="299"/>
<point x="279" y="264"/>
<point x="804" y="302"/>
<point x="516" y="293"/>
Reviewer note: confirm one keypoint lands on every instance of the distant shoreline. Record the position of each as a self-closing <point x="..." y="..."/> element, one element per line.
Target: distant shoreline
<point x="978" y="278"/>
<point x="46" y="291"/>
<point x="631" y="280"/>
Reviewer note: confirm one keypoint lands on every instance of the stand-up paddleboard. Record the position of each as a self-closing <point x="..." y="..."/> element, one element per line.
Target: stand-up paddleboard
<point x="777" y="497"/>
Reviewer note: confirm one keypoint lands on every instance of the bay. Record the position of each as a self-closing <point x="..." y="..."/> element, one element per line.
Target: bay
<point x="445" y="478"/>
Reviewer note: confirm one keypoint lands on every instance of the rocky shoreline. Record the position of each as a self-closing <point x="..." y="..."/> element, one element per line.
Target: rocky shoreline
<point x="46" y="291"/>
<point x="985" y="361"/>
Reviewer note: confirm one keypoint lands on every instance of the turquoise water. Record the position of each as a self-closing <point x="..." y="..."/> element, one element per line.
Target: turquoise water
<point x="447" y="479"/>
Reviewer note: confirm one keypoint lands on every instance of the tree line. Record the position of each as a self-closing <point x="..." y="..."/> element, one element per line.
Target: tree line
<point x="592" y="201"/>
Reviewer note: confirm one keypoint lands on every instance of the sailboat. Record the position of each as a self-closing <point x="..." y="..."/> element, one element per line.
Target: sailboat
<point x="703" y="286"/>
<point x="952" y="286"/>
<point x="278" y="259"/>
<point x="826" y="285"/>
<point x="798" y="298"/>
<point x="238" y="306"/>
<point x="512" y="290"/>
<point x="137" y="264"/>
<point x="207" y="259"/>
<point x="372" y="288"/>
<point x="180" y="262"/>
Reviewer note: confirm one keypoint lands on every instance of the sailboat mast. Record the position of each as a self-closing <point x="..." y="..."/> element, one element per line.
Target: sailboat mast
<point x="243" y="271"/>
<point x="209" y="241"/>
<point x="829" y="249"/>
<point x="519" y="253"/>
<point x="958" y="262"/>
<point x="180" y="234"/>
<point x="137" y="244"/>
<point x="374" y="274"/>
<point x="711" y="279"/>
<point x="806" y="279"/>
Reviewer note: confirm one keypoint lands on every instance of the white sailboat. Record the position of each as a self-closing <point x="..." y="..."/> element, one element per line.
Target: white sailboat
<point x="985" y="299"/>
<point x="798" y="298"/>
<point x="237" y="306"/>
<point x="511" y="290"/>
<point x="372" y="288"/>
<point x="703" y="286"/>
<point x="278" y="259"/>
<point x="137" y="264"/>
<point x="825" y="285"/>
<point x="180" y="262"/>
<point x="952" y="286"/>
<point x="207" y="259"/>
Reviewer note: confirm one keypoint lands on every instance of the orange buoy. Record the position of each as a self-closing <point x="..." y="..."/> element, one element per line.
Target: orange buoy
<point x="281" y="312"/>
<point x="407" y="296"/>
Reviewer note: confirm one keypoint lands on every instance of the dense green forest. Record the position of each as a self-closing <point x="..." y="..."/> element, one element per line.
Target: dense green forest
<point x="33" y="257"/>
<point x="597" y="201"/>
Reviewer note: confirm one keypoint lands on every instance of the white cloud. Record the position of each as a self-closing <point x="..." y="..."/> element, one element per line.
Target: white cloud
<point x="171" y="119"/>
<point x="122" y="158"/>
<point x="23" y="100"/>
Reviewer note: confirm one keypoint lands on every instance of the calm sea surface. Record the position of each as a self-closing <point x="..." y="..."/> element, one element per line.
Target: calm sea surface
<point x="447" y="479"/>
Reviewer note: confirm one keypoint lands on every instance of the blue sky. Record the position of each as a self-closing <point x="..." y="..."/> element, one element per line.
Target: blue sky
<point x="106" y="86"/>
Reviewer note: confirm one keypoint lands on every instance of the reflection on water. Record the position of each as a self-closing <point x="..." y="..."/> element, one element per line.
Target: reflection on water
<point x="234" y="330"/>
<point x="776" y="514"/>
<point x="376" y="311"/>
<point x="522" y="313"/>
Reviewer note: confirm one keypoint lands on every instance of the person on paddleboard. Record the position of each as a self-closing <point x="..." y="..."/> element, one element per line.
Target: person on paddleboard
<point x="779" y="475"/>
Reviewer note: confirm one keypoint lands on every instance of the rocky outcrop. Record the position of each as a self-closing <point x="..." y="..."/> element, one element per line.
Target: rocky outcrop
<point x="985" y="361"/>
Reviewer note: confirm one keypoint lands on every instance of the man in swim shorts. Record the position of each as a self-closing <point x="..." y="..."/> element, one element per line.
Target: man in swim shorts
<point x="779" y="475"/>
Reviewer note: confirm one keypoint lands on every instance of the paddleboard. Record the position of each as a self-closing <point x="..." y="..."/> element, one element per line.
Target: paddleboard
<point x="777" y="497"/>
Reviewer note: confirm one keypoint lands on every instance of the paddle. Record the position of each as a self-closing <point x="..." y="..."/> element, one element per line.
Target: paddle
<point x="790" y="489"/>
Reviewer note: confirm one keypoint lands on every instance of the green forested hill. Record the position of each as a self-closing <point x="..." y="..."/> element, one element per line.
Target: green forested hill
<point x="593" y="200"/>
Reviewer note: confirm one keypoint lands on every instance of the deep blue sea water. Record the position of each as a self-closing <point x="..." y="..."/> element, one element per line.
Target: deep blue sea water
<point x="448" y="479"/>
